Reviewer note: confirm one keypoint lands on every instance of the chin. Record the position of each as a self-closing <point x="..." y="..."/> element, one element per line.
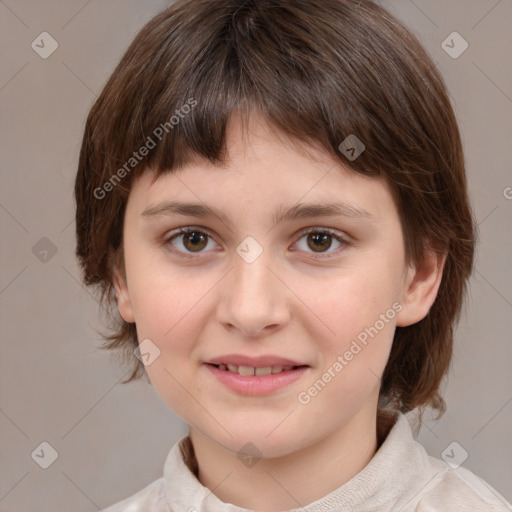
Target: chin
<point x="257" y="441"/>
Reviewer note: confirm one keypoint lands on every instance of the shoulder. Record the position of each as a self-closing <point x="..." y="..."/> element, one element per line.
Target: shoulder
<point x="428" y="484"/>
<point x="149" y="499"/>
<point x="453" y="490"/>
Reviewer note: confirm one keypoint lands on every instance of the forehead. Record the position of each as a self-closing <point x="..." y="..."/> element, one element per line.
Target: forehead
<point x="265" y="170"/>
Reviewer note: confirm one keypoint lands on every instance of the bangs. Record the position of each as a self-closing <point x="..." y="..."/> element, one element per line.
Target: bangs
<point x="252" y="58"/>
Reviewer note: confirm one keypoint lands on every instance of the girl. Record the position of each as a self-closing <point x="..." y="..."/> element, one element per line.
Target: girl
<point x="272" y="195"/>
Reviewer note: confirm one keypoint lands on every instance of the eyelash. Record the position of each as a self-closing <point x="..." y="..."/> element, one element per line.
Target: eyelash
<point x="192" y="229"/>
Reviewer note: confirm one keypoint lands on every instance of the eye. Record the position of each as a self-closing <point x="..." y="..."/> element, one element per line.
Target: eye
<point x="194" y="240"/>
<point x="319" y="240"/>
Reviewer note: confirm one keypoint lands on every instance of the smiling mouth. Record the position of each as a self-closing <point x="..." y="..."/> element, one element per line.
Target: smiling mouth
<point x="248" y="371"/>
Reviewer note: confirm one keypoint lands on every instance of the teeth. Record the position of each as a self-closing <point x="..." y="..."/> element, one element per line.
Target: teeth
<point x="267" y="370"/>
<point x="249" y="370"/>
<point x="246" y="370"/>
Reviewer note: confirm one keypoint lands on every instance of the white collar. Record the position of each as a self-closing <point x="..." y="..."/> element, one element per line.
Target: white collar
<point x="397" y="471"/>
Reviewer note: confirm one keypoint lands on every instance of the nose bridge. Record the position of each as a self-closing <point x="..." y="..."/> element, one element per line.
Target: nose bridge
<point x="253" y="297"/>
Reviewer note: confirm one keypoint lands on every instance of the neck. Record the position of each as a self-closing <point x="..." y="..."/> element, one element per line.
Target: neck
<point x="294" y="480"/>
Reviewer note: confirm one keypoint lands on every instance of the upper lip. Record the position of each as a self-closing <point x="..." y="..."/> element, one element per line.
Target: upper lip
<point x="255" y="362"/>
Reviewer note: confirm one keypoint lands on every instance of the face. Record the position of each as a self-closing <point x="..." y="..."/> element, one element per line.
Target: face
<point x="323" y="293"/>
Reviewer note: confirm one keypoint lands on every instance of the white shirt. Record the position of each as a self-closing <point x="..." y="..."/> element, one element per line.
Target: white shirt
<point x="401" y="477"/>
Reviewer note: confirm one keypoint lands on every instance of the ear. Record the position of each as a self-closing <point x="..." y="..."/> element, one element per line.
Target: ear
<point x="122" y="295"/>
<point x="420" y="288"/>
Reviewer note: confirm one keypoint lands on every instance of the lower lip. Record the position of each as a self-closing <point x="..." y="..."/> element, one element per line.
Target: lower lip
<point x="256" y="385"/>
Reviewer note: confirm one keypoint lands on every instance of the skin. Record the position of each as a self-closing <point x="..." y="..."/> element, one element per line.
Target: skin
<point x="285" y="303"/>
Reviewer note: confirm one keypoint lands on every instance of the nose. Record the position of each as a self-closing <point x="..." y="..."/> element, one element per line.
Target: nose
<point x="254" y="299"/>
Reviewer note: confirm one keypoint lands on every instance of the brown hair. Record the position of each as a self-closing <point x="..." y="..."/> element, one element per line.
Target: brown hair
<point x="318" y="70"/>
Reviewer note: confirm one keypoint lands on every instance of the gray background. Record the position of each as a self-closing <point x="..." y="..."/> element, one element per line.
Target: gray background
<point x="57" y="386"/>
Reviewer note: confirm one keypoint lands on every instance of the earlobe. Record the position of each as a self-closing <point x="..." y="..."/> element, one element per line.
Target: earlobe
<point x="420" y="288"/>
<point x="123" y="297"/>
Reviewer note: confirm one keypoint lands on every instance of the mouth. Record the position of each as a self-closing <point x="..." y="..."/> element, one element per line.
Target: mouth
<point x="256" y="380"/>
<point x="250" y="371"/>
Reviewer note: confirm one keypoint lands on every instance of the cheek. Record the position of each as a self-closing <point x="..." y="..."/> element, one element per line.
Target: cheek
<point x="171" y="312"/>
<point x="352" y="321"/>
<point x="340" y="309"/>
<point x="166" y="304"/>
<point x="170" y="317"/>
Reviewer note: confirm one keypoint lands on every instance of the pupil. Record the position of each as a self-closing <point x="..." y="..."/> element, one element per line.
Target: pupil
<point x="195" y="239"/>
<point x="320" y="239"/>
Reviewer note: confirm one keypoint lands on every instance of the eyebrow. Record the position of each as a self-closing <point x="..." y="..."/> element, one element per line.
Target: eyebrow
<point x="298" y="211"/>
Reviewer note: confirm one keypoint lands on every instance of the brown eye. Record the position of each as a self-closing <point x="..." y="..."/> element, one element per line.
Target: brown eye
<point x="195" y="240"/>
<point x="319" y="242"/>
<point x="188" y="241"/>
